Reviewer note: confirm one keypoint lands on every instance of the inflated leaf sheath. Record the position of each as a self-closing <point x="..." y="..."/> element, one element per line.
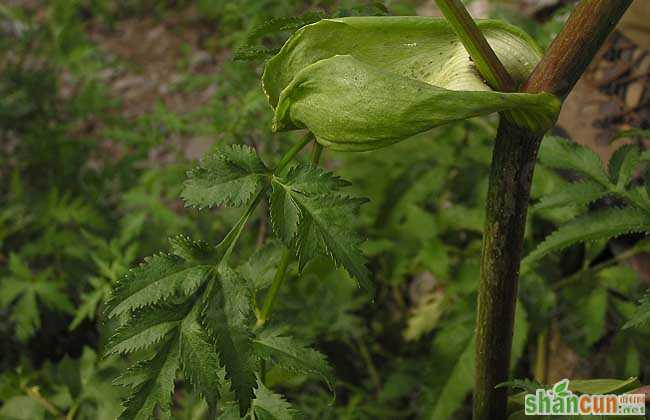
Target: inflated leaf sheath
<point x="361" y="83"/>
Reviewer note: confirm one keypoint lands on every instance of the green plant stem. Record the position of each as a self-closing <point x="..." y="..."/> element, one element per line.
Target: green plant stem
<point x="228" y="243"/>
<point x="280" y="274"/>
<point x="577" y="275"/>
<point x="513" y="162"/>
<point x="272" y="294"/>
<point x="35" y="394"/>
<point x="291" y="153"/>
<point x="541" y="357"/>
<point x="479" y="50"/>
<point x="316" y="153"/>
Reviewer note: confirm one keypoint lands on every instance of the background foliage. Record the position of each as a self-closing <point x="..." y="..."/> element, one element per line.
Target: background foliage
<point x="91" y="184"/>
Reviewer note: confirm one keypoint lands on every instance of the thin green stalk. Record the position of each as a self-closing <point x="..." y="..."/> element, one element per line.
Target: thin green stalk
<point x="34" y="393"/>
<point x="288" y="157"/>
<point x="228" y="243"/>
<point x="316" y="153"/>
<point x="272" y="294"/>
<point x="541" y="358"/>
<point x="281" y="272"/>
<point x="482" y="54"/>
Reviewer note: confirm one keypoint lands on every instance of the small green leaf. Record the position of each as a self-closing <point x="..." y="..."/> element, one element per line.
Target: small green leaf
<point x="191" y="250"/>
<point x="292" y="355"/>
<point x="642" y="314"/>
<point x="226" y="316"/>
<point x="270" y="406"/>
<point x="560" y="153"/>
<point x="576" y="194"/>
<point x="199" y="361"/>
<point x="592" y="226"/>
<point x="156" y="387"/>
<point x="147" y="328"/>
<point x="250" y="51"/>
<point x="310" y="216"/>
<point x="623" y="163"/>
<point x="229" y="176"/>
<point x="159" y="278"/>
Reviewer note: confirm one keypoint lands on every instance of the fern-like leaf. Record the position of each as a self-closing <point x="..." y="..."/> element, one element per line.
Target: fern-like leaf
<point x="159" y="278"/>
<point x="193" y="251"/>
<point x="250" y="51"/>
<point x="642" y="314"/>
<point x="226" y="317"/>
<point x="156" y="379"/>
<point x="199" y="360"/>
<point x="147" y="328"/>
<point x="576" y="194"/>
<point x="623" y="163"/>
<point x="592" y="226"/>
<point x="293" y="355"/>
<point x="560" y="153"/>
<point x="228" y="177"/>
<point x="271" y="406"/>
<point x="310" y="216"/>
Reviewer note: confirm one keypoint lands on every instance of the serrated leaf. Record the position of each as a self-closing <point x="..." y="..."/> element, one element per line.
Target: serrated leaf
<point x="642" y="313"/>
<point x="623" y="163"/>
<point x="156" y="390"/>
<point x="293" y="355"/>
<point x="310" y="216"/>
<point x="199" y="360"/>
<point x="192" y="250"/>
<point x="260" y="268"/>
<point x="229" y="177"/>
<point x="270" y="406"/>
<point x="147" y="328"/>
<point x="24" y="291"/>
<point x="226" y="316"/>
<point x="592" y="226"/>
<point x="156" y="280"/>
<point x="560" y="153"/>
<point x="575" y="194"/>
<point x="249" y="51"/>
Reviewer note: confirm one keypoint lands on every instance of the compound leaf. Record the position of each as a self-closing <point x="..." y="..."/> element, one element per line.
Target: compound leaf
<point x="575" y="194"/>
<point x="623" y="163"/>
<point x="600" y="224"/>
<point x="309" y="215"/>
<point x="642" y="313"/>
<point x="159" y="278"/>
<point x="293" y="355"/>
<point x="560" y="153"/>
<point x="156" y="384"/>
<point x="147" y="328"/>
<point x="226" y="315"/>
<point x="271" y="406"/>
<point x="199" y="361"/>
<point x="230" y="176"/>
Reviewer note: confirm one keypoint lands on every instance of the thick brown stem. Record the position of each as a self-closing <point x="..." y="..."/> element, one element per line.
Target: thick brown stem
<point x="513" y="162"/>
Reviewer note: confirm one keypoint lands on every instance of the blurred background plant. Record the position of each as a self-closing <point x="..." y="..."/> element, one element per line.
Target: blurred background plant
<point x="104" y="106"/>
